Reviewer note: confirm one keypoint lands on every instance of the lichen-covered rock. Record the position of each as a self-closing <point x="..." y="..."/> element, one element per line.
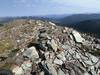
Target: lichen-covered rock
<point x="31" y="53"/>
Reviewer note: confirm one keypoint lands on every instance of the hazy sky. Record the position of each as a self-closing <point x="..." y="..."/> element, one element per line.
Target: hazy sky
<point x="45" y="7"/>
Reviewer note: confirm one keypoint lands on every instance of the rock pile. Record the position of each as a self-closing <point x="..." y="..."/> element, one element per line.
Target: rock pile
<point x="56" y="51"/>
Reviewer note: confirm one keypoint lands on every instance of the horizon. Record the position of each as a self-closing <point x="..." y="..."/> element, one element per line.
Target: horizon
<point x="47" y="7"/>
<point x="50" y="15"/>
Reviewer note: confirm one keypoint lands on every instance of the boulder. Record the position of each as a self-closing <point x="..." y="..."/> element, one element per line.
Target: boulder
<point x="65" y="30"/>
<point x="51" y="68"/>
<point x="86" y="73"/>
<point x="58" y="62"/>
<point x="88" y="62"/>
<point x="98" y="46"/>
<point x="44" y="35"/>
<point x="17" y="70"/>
<point x="52" y="24"/>
<point x="61" y="56"/>
<point x="77" y="37"/>
<point x="26" y="65"/>
<point x="31" y="53"/>
<point x="93" y="58"/>
<point x="42" y="30"/>
<point x="53" y="44"/>
<point x="60" y="72"/>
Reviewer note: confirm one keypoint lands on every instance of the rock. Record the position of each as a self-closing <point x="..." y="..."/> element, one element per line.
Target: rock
<point x="61" y="56"/>
<point x="66" y="47"/>
<point x="86" y="73"/>
<point x="31" y="53"/>
<point x="52" y="23"/>
<point x="52" y="27"/>
<point x="44" y="35"/>
<point x="78" y="56"/>
<point x="60" y="72"/>
<point x="22" y="50"/>
<point x="86" y="43"/>
<point x="77" y="37"/>
<point x="26" y="65"/>
<point x="44" y="67"/>
<point x="41" y="73"/>
<point x="58" y="62"/>
<point x="51" y="68"/>
<point x="93" y="58"/>
<point x="17" y="70"/>
<point x="42" y="30"/>
<point x="92" y="70"/>
<point x="65" y="29"/>
<point x="71" y="37"/>
<point x="47" y="55"/>
<point x="39" y="23"/>
<point x="48" y="68"/>
<point x="53" y="44"/>
<point x="88" y="62"/>
<point x="98" y="46"/>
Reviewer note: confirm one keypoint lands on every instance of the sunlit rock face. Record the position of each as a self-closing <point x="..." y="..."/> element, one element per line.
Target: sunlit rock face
<point x="77" y="37"/>
<point x="43" y="48"/>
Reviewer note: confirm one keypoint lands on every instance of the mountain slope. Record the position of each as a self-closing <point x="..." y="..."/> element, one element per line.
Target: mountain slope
<point x="91" y="26"/>
<point x="76" y="18"/>
<point x="35" y="47"/>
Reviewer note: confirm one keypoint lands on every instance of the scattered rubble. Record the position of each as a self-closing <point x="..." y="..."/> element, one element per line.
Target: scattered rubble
<point x="55" y="50"/>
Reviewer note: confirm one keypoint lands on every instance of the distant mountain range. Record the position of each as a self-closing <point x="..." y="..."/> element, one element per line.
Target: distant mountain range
<point x="53" y="18"/>
<point x="83" y="22"/>
<point x="65" y="19"/>
<point x="91" y="26"/>
<point x="76" y="18"/>
<point x="7" y="19"/>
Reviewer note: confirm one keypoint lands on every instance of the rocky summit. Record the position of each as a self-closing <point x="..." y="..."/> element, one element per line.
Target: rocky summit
<point x="35" y="47"/>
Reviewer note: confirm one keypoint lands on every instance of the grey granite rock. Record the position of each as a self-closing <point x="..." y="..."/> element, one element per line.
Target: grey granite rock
<point x="31" y="53"/>
<point x="77" y="37"/>
<point x="53" y="44"/>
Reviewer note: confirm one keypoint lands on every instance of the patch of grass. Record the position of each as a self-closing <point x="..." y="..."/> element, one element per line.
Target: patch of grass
<point x="6" y="66"/>
<point x="5" y="45"/>
<point x="13" y="52"/>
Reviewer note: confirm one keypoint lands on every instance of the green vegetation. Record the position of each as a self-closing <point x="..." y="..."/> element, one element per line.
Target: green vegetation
<point x="5" y="45"/>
